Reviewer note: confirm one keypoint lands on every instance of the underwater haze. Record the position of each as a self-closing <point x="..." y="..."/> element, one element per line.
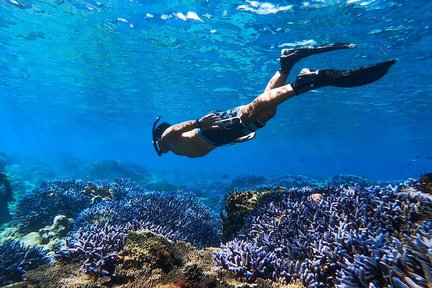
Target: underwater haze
<point x="83" y="81"/>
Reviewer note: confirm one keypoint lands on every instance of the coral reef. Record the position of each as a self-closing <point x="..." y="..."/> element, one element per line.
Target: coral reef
<point x="338" y="232"/>
<point x="97" y="193"/>
<point x="51" y="235"/>
<point x="344" y="179"/>
<point x="238" y="206"/>
<point x="16" y="258"/>
<point x="424" y="184"/>
<point x="185" y="216"/>
<point x="246" y="182"/>
<point x="96" y="247"/>
<point x="5" y="197"/>
<point x="37" y="208"/>
<point x="146" y="260"/>
<point x="390" y="261"/>
<point x="148" y="248"/>
<point x="334" y="239"/>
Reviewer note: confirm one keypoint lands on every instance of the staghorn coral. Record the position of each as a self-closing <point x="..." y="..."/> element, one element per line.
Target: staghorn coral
<point x="38" y="207"/>
<point x="103" y="228"/>
<point x="191" y="221"/>
<point x="316" y="239"/>
<point x="96" y="247"/>
<point x="16" y="258"/>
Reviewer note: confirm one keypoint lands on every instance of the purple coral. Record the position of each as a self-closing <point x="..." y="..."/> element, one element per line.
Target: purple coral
<point x="37" y="208"/>
<point x="192" y="221"/>
<point x="15" y="259"/>
<point x="97" y="247"/>
<point x="103" y="227"/>
<point x="294" y="237"/>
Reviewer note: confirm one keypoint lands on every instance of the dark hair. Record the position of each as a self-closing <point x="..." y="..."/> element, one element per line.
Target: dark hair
<point x="160" y="130"/>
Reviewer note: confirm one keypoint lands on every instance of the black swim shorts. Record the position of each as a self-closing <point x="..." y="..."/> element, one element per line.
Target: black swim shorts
<point x="229" y="128"/>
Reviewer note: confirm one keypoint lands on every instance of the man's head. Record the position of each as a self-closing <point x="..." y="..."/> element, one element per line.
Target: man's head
<point x="157" y="134"/>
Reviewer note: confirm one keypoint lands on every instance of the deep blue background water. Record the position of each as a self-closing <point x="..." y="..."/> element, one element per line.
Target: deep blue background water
<point x="82" y="81"/>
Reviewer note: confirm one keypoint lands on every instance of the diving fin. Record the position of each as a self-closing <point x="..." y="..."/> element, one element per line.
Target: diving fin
<point x="314" y="79"/>
<point x="289" y="57"/>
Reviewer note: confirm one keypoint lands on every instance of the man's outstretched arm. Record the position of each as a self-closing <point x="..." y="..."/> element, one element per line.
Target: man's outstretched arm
<point x="178" y="129"/>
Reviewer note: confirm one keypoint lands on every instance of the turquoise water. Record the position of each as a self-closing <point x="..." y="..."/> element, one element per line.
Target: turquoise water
<point x="82" y="81"/>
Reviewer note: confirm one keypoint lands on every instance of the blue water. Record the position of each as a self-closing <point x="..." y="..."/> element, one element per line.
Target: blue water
<point x="82" y="81"/>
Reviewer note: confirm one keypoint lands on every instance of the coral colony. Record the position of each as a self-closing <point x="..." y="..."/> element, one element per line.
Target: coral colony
<point x="350" y="235"/>
<point x="16" y="258"/>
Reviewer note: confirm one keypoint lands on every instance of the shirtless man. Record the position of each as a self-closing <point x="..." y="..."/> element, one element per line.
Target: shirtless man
<point x="196" y="138"/>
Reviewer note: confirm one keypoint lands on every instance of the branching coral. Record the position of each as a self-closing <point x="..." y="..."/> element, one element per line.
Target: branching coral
<point x="16" y="258"/>
<point x="296" y="237"/>
<point x="37" y="208"/>
<point x="97" y="247"/>
<point x="105" y="225"/>
<point x="188" y="217"/>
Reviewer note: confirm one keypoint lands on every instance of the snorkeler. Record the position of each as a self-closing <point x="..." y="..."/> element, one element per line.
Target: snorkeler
<point x="196" y="138"/>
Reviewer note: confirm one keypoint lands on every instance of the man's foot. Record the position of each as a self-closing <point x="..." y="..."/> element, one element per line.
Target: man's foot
<point x="312" y="79"/>
<point x="289" y="57"/>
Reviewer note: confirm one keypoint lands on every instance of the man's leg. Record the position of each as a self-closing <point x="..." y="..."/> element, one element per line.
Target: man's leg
<point x="278" y="80"/>
<point x="263" y="108"/>
<point x="289" y="57"/>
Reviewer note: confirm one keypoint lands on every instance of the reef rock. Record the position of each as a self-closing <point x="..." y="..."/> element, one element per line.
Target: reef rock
<point x="238" y="207"/>
<point x="31" y="239"/>
<point x="148" y="248"/>
<point x="52" y="234"/>
<point x="147" y="260"/>
<point x="424" y="184"/>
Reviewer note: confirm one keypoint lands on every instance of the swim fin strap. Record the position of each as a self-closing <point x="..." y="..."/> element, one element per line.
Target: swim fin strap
<point x="340" y="78"/>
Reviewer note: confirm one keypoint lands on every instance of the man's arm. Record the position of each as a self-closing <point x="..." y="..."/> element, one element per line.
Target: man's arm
<point x="178" y="129"/>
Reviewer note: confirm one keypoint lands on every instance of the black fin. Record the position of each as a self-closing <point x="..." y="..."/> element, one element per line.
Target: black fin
<point x="359" y="76"/>
<point x="341" y="78"/>
<point x="289" y="57"/>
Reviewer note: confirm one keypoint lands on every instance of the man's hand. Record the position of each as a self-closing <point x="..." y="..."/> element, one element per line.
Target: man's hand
<point x="208" y="120"/>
